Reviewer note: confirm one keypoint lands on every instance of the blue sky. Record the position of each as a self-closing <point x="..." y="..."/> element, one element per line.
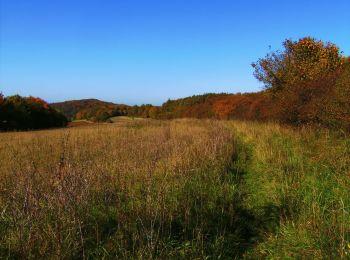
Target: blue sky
<point x="146" y="51"/>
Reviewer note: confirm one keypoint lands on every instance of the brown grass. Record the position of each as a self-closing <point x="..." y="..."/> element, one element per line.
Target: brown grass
<point x="107" y="190"/>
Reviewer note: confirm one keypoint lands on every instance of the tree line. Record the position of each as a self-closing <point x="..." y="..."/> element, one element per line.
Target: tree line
<point x="306" y="83"/>
<point x="26" y="113"/>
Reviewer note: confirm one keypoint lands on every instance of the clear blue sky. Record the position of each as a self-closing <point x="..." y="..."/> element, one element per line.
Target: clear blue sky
<point x="146" y="51"/>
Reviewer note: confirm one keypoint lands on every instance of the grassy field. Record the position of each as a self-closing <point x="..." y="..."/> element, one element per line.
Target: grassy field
<point x="117" y="120"/>
<point x="183" y="189"/>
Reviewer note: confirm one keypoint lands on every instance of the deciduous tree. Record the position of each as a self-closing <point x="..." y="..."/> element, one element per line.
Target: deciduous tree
<point x="303" y="60"/>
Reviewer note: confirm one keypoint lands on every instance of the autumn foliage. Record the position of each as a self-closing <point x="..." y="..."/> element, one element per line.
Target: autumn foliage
<point x="100" y="111"/>
<point x="303" y="60"/>
<point x="306" y="84"/>
<point x="23" y="113"/>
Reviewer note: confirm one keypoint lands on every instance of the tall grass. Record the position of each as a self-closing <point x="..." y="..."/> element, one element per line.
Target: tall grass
<point x="300" y="179"/>
<point x="183" y="189"/>
<point x="155" y="190"/>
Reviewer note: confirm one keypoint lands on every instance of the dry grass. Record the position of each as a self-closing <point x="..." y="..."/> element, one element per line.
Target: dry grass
<point x="184" y="189"/>
<point x="112" y="191"/>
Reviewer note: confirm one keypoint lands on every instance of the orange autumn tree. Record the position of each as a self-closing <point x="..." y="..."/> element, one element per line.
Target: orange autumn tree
<point x="302" y="60"/>
<point x="38" y="101"/>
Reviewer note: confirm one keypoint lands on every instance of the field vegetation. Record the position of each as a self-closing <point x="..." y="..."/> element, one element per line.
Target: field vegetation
<point x="183" y="189"/>
<point x="153" y="190"/>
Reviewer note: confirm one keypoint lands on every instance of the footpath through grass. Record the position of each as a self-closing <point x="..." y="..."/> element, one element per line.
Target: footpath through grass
<point x="296" y="184"/>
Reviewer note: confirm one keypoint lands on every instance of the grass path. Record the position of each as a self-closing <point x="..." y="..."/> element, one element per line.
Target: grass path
<point x="297" y="184"/>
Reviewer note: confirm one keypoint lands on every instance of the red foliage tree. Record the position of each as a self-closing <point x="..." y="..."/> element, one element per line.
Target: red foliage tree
<point x="38" y="101"/>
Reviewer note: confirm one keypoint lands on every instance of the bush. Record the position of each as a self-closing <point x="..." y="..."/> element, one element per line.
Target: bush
<point x="323" y="102"/>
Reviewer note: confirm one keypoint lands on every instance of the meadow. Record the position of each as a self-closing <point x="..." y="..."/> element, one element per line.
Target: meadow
<point x="178" y="189"/>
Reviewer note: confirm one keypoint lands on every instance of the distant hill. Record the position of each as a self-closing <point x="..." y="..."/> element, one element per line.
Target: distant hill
<point x="97" y="110"/>
<point x="86" y="108"/>
<point x="72" y="107"/>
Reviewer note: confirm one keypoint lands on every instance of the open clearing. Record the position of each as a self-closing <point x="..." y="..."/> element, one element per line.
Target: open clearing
<point x="117" y="120"/>
<point x="188" y="189"/>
